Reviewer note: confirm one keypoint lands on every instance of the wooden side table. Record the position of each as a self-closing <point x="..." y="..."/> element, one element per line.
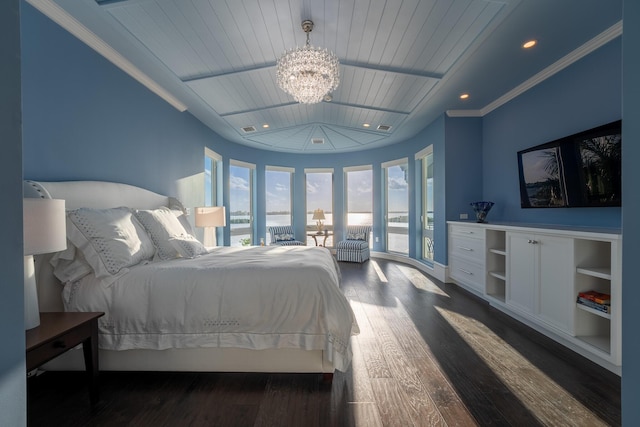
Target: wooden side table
<point x="323" y="235"/>
<point x="62" y="331"/>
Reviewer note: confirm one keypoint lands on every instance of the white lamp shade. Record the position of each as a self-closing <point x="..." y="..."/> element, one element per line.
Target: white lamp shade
<point x="210" y="216"/>
<point x="44" y="225"/>
<point x="318" y="214"/>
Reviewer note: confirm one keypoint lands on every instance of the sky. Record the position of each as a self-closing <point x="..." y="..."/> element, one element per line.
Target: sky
<point x="319" y="188"/>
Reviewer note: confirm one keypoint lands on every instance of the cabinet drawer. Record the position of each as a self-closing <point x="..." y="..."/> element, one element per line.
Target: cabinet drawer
<point x="466" y="247"/>
<point x="467" y="272"/>
<point x="50" y="349"/>
<point x="467" y="231"/>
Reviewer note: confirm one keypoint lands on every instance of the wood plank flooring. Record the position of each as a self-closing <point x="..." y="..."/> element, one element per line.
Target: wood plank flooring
<point x="429" y="354"/>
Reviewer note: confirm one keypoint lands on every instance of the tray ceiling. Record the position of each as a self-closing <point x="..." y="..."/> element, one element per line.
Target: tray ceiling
<point x="403" y="63"/>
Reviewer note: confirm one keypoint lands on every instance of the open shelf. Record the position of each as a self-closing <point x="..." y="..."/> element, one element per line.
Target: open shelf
<point x="499" y="275"/>
<point x="600" y="272"/>
<point x="593" y="311"/>
<point x="601" y="342"/>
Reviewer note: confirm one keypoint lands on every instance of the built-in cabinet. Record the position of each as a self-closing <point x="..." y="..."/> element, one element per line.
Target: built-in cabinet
<point x="535" y="274"/>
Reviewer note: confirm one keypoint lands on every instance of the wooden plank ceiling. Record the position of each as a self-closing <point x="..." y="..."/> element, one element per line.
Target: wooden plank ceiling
<point x="398" y="59"/>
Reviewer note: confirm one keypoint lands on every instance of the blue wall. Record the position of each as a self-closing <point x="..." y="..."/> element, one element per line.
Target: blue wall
<point x="631" y="213"/>
<point x="85" y="119"/>
<point x="584" y="95"/>
<point x="13" y="385"/>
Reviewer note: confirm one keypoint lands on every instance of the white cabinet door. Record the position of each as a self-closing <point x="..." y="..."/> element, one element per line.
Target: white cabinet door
<point x="522" y="273"/>
<point x="556" y="282"/>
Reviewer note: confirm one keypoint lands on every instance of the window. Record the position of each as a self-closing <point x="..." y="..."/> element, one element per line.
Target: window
<point x="397" y="206"/>
<point x="212" y="193"/>
<point x="212" y="162"/>
<point x="241" y="202"/>
<point x="278" y="196"/>
<point x="319" y="184"/>
<point x="426" y="159"/>
<point x="359" y="195"/>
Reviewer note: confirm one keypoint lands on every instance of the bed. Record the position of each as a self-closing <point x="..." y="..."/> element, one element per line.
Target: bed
<point x="178" y="306"/>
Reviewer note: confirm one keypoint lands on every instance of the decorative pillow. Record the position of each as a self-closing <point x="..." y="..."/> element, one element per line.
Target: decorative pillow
<point x="184" y="220"/>
<point x="69" y="265"/>
<point x="356" y="236"/>
<point x="109" y="239"/>
<point x="161" y="224"/>
<point x="285" y="237"/>
<point x="188" y="246"/>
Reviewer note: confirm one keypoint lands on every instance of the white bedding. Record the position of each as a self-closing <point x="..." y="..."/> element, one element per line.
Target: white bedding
<point x="254" y="298"/>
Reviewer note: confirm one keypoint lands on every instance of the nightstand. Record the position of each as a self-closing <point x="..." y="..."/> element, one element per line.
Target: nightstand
<point x="62" y="331"/>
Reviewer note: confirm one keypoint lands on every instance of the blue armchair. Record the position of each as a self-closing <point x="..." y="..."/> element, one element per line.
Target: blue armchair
<point x="282" y="235"/>
<point x="355" y="248"/>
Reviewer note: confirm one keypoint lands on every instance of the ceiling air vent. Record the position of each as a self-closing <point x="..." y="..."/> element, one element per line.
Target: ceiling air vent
<point x="317" y="140"/>
<point x="385" y="128"/>
<point x="248" y="129"/>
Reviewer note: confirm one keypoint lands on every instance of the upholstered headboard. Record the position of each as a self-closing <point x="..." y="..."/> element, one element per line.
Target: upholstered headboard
<point x="85" y="194"/>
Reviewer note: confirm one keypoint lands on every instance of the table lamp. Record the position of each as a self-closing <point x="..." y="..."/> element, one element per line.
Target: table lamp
<point x="210" y="217"/>
<point x="44" y="231"/>
<point x="318" y="215"/>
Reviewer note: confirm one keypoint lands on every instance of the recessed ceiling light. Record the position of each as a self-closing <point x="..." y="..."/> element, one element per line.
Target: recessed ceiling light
<point x="529" y="44"/>
<point x="464" y="96"/>
<point x="366" y="125"/>
<point x="265" y="126"/>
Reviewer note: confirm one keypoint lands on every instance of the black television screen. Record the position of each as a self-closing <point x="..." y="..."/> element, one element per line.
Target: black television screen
<point x="581" y="170"/>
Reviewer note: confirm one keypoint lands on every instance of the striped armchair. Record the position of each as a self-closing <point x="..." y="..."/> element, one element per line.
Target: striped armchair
<point x="355" y="248"/>
<point x="282" y="235"/>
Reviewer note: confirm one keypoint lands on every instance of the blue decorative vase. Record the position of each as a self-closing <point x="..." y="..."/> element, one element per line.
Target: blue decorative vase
<point x="481" y="209"/>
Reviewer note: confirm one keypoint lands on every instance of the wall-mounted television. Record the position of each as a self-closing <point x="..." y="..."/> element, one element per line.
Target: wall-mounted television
<point x="581" y="170"/>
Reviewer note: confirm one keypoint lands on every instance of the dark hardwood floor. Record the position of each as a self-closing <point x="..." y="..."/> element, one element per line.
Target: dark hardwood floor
<point x="428" y="354"/>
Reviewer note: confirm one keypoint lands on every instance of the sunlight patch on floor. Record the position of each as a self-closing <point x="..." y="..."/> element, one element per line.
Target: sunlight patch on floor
<point x="421" y="281"/>
<point x="548" y="401"/>
<point x="379" y="272"/>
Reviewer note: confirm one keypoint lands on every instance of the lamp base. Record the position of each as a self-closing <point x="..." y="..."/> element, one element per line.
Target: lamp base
<point x="209" y="239"/>
<point x="31" y="309"/>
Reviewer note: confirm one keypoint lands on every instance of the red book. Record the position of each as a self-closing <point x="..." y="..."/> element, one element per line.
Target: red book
<point x="594" y="296"/>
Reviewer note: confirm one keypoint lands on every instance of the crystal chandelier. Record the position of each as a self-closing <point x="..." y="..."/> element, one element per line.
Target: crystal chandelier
<point x="308" y="73"/>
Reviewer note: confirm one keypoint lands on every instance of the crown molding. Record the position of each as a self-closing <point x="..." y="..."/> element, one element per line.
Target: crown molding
<point x="595" y="43"/>
<point x="69" y="23"/>
<point x="464" y="113"/>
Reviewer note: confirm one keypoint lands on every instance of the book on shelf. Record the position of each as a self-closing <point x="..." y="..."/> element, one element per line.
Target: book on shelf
<point x="598" y="297"/>
<point x="605" y="308"/>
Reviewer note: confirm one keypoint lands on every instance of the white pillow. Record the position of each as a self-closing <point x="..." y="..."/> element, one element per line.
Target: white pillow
<point x="109" y="239"/>
<point x="188" y="246"/>
<point x="184" y="220"/>
<point x="161" y="224"/>
<point x="69" y="265"/>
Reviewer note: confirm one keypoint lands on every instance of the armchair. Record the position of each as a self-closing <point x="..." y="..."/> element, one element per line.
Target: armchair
<point x="355" y="248"/>
<point x="283" y="235"/>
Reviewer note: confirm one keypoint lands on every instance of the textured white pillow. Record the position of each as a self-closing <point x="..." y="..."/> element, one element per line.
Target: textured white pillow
<point x="188" y="246"/>
<point x="161" y="224"/>
<point x="109" y="239"/>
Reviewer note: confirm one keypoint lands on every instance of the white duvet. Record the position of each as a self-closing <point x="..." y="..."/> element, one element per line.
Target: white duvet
<point x="255" y="298"/>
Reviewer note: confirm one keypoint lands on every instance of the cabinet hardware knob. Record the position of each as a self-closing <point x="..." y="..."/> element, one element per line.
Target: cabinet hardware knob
<point x="466" y="272"/>
<point x="465" y="249"/>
